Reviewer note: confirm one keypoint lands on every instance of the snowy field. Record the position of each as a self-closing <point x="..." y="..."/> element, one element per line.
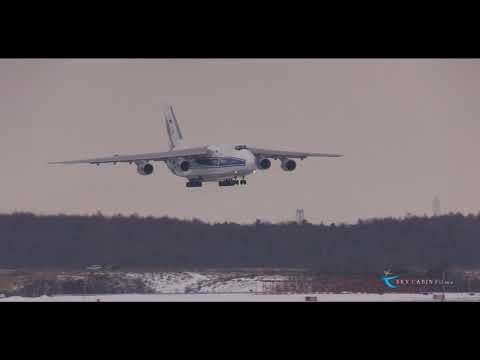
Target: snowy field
<point x="245" y="285"/>
<point x="248" y="297"/>
<point x="202" y="282"/>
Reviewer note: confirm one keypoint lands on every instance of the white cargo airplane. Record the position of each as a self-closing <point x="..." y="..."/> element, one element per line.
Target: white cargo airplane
<point x="222" y="163"/>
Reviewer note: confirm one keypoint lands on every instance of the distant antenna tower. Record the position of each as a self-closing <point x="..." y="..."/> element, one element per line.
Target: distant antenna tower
<point x="436" y="206"/>
<point x="300" y="216"/>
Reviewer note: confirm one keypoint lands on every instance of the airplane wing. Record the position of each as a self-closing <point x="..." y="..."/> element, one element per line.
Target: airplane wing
<point x="276" y="154"/>
<point x="161" y="156"/>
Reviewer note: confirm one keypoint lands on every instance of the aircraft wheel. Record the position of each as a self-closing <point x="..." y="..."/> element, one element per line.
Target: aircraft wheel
<point x="193" y="183"/>
<point x="228" y="182"/>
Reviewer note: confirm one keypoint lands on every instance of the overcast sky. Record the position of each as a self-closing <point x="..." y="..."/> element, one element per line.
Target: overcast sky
<point x="408" y="129"/>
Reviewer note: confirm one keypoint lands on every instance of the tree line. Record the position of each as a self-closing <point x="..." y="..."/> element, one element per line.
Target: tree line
<point x="369" y="246"/>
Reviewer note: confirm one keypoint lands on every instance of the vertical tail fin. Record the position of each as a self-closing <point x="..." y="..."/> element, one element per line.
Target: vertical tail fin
<point x="173" y="130"/>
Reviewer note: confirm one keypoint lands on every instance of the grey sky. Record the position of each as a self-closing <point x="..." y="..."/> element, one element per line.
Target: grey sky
<point x="408" y="128"/>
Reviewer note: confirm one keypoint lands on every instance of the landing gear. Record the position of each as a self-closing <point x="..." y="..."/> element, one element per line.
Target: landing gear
<point x="227" y="182"/>
<point x="194" y="183"/>
<point x="232" y="182"/>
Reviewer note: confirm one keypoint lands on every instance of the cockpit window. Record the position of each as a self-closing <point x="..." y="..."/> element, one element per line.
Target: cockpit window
<point x="240" y="147"/>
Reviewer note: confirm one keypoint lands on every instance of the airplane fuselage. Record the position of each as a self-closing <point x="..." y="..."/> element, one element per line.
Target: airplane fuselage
<point x="222" y="162"/>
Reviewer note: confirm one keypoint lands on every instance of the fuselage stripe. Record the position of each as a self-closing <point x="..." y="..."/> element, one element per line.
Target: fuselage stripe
<point x="217" y="162"/>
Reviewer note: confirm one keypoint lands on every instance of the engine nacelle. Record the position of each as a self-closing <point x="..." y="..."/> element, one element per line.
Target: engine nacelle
<point x="183" y="165"/>
<point x="288" y="165"/>
<point x="145" y="169"/>
<point x="263" y="163"/>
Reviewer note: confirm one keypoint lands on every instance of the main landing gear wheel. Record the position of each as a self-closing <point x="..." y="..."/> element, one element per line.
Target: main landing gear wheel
<point x="194" y="183"/>
<point x="232" y="182"/>
<point x="227" y="182"/>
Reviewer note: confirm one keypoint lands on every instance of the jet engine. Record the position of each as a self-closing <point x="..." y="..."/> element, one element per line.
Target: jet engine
<point x="263" y="163"/>
<point x="288" y="165"/>
<point x="183" y="165"/>
<point x="145" y="169"/>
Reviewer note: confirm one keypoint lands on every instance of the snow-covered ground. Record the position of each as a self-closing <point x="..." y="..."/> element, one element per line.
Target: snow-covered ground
<point x="202" y="282"/>
<point x="245" y="285"/>
<point x="247" y="298"/>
